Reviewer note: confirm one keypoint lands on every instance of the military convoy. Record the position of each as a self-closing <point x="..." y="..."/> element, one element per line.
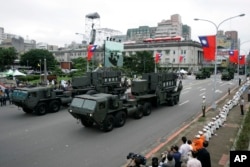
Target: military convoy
<point x="109" y="110"/>
<point x="203" y="74"/>
<point x="227" y="74"/>
<point x="41" y="100"/>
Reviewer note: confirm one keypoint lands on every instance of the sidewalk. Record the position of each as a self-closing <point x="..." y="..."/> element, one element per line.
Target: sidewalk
<point x="221" y="143"/>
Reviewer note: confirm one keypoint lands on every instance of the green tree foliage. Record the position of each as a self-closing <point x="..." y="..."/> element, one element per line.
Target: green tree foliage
<point x="7" y="57"/>
<point x="140" y="62"/>
<point x="35" y="59"/>
<point x="80" y="64"/>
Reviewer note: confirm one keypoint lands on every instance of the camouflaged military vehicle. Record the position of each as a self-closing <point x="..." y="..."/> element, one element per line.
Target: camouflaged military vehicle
<point x="227" y="74"/>
<point x="40" y="100"/>
<point x="108" y="111"/>
<point x="157" y="88"/>
<point x="203" y="74"/>
<point x="104" y="110"/>
<point x="102" y="80"/>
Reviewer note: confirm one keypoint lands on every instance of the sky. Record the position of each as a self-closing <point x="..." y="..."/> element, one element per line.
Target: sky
<point x="56" y="22"/>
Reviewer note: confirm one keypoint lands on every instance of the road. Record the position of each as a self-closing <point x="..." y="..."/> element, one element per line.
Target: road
<point x="56" y="140"/>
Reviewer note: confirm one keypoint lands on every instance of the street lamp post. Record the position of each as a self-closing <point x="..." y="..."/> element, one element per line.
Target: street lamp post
<point x="215" y="62"/>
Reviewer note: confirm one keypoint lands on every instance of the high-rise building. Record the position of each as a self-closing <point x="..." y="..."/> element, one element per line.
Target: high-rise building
<point x="169" y="28"/>
<point x="138" y="34"/>
<point x="233" y="37"/>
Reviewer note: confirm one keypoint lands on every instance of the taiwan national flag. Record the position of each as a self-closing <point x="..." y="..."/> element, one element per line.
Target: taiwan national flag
<point x="242" y="60"/>
<point x="208" y="45"/>
<point x="181" y="58"/>
<point x="91" y="50"/>
<point x="233" y="56"/>
<point x="157" y="57"/>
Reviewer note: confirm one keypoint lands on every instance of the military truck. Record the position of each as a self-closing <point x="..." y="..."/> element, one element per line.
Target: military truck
<point x="108" y="110"/>
<point x="102" y="80"/>
<point x="203" y="74"/>
<point x="157" y="88"/>
<point x="40" y="100"/>
<point x="227" y="74"/>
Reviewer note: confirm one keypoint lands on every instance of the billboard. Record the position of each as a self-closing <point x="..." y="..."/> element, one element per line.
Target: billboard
<point x="113" y="54"/>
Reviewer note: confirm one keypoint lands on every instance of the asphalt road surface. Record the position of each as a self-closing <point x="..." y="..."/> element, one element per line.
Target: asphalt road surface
<point x="56" y="140"/>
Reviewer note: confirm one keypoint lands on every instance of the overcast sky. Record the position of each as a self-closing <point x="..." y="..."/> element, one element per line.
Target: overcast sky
<point x="57" y="21"/>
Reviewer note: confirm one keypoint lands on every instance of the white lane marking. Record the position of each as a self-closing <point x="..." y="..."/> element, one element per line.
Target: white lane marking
<point x="202" y="94"/>
<point x="203" y="89"/>
<point x="184" y="103"/>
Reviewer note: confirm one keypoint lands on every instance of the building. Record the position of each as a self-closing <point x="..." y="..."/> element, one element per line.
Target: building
<point x="169" y="28"/>
<point x="103" y="33"/>
<point x="29" y="44"/>
<point x="138" y="34"/>
<point x="175" y="54"/>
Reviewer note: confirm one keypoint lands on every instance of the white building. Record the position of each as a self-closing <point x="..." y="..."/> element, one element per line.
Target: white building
<point x="103" y="33"/>
<point x="169" y="28"/>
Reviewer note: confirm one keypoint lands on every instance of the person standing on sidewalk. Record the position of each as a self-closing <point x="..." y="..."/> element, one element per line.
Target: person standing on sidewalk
<point x="204" y="156"/>
<point x="242" y="101"/>
<point x="203" y="106"/>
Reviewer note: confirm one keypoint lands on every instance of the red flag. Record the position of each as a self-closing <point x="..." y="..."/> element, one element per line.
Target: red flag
<point x="233" y="56"/>
<point x="181" y="58"/>
<point x="242" y="60"/>
<point x="158" y="57"/>
<point x="208" y="45"/>
<point x="91" y="50"/>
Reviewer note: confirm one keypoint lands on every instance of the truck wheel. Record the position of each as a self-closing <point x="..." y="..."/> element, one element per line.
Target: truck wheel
<point x="27" y="110"/>
<point x="139" y="112"/>
<point x="108" y="123"/>
<point x="147" y="109"/>
<point x="40" y="109"/>
<point x="54" y="106"/>
<point x="120" y="118"/>
<point x="87" y="122"/>
<point x="171" y="102"/>
<point x="177" y="98"/>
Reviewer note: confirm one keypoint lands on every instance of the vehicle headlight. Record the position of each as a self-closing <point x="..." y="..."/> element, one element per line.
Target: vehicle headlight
<point x="90" y="115"/>
<point x="70" y="110"/>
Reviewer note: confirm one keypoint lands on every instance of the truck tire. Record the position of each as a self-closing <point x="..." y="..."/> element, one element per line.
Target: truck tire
<point x="40" y="109"/>
<point x="27" y="110"/>
<point x="108" y="124"/>
<point x="171" y="102"/>
<point x="139" y="112"/>
<point x="87" y="122"/>
<point x="120" y="118"/>
<point x="147" y="109"/>
<point x="54" y="106"/>
<point x="177" y="98"/>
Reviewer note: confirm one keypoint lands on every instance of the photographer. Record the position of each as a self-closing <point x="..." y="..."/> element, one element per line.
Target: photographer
<point x="135" y="160"/>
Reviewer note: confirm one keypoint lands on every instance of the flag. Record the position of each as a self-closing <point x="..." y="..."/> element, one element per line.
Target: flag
<point x="242" y="60"/>
<point x="233" y="56"/>
<point x="158" y="57"/>
<point x="91" y="50"/>
<point x="208" y="45"/>
<point x="181" y="58"/>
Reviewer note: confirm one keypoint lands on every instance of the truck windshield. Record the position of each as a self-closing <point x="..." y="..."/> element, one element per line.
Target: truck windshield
<point x="19" y="94"/>
<point x="77" y="102"/>
<point x="89" y="104"/>
<point x="83" y="103"/>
